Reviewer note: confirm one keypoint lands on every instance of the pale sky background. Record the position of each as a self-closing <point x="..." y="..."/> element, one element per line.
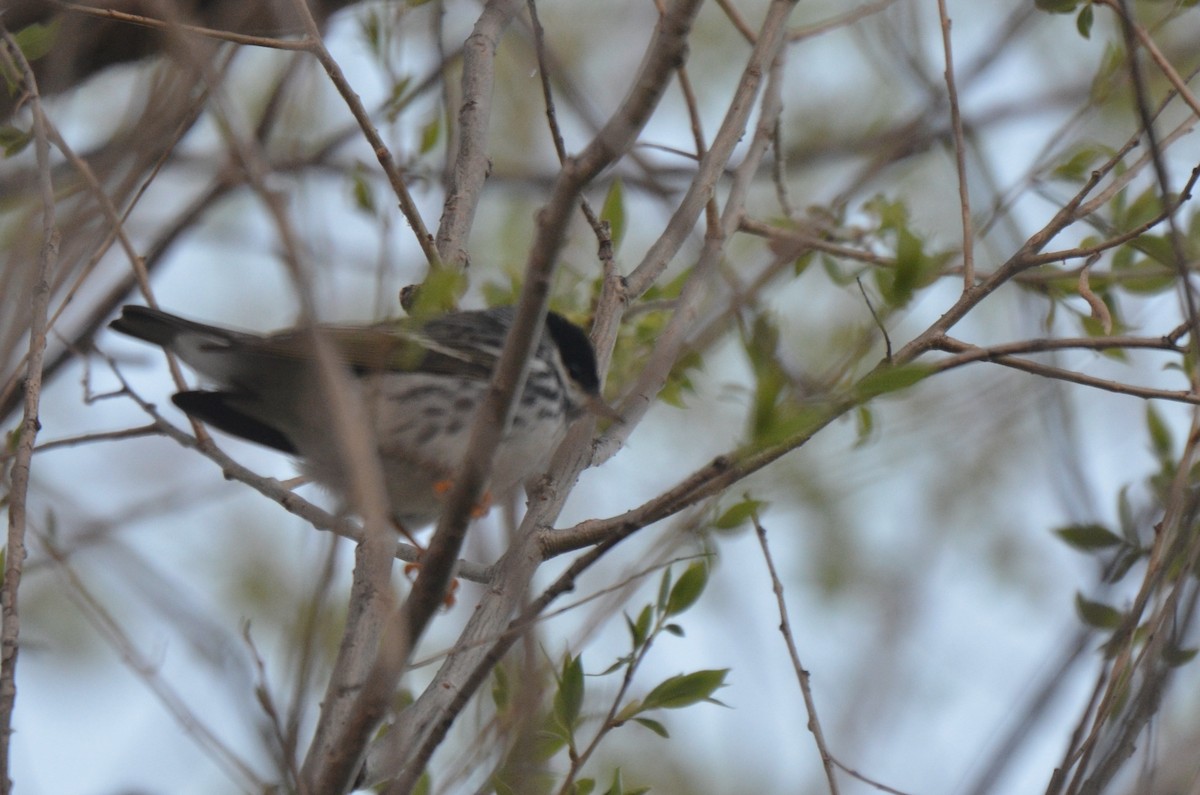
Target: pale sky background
<point x="957" y="601"/>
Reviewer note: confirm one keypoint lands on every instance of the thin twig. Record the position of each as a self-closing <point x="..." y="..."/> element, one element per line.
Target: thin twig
<point x="971" y="353"/>
<point x="408" y="206"/>
<point x="960" y="149"/>
<point x="177" y="27"/>
<point x="802" y="674"/>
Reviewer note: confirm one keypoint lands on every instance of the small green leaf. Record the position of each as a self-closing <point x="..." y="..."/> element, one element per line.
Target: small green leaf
<point x="584" y="786"/>
<point x="37" y="39"/>
<point x="664" y="591"/>
<point x="1056" y="6"/>
<point x="674" y="629"/>
<point x="654" y="726"/>
<point x="628" y="711"/>
<point x="364" y="194"/>
<point x="685" y="689"/>
<point x="568" y="701"/>
<point x="864" y="423"/>
<point x="1109" y="76"/>
<point x="638" y="630"/>
<point x="1088" y="536"/>
<point x="1173" y="656"/>
<point x="548" y="740"/>
<point x="613" y="211"/>
<point x="1083" y="22"/>
<point x="889" y="379"/>
<point x="439" y="292"/>
<point x="430" y="134"/>
<point x="13" y="140"/>
<point x="1160" y="434"/>
<point x="1097" y="614"/>
<point x="370" y="29"/>
<point x="738" y="514"/>
<point x="1080" y="164"/>
<point x="1143" y="209"/>
<point x="803" y="261"/>
<point x="688" y="588"/>
<point x="501" y="692"/>
<point x="616" y="788"/>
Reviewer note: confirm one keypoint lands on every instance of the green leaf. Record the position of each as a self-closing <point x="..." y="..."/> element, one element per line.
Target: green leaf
<point x="438" y="293"/>
<point x="568" y="701"/>
<point x="864" y="424"/>
<point x="397" y="99"/>
<point x="638" y="630"/>
<point x="1080" y="164"/>
<point x="13" y="140"/>
<point x="654" y="726"/>
<point x="1098" y="614"/>
<point x="613" y="211"/>
<point x="548" y="740"/>
<point x="684" y="690"/>
<point x="364" y="193"/>
<point x="501" y="691"/>
<point x="584" y="786"/>
<point x="833" y="270"/>
<point x="688" y="588"/>
<point x="1156" y="247"/>
<point x="1110" y="76"/>
<point x="1175" y="656"/>
<point x="674" y="629"/>
<point x="430" y="134"/>
<point x="664" y="591"/>
<point x="1088" y="537"/>
<point x="889" y="379"/>
<point x="371" y="30"/>
<point x="802" y="262"/>
<point x="37" y="39"/>
<point x="1143" y="209"/>
<point x="1160" y="434"/>
<point x="898" y="285"/>
<point x="1083" y="22"/>
<point x="616" y="788"/>
<point x="738" y="514"/>
<point x="1056" y="6"/>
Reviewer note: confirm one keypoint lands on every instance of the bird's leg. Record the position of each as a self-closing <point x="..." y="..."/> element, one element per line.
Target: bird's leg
<point x="400" y="529"/>
<point x="480" y="509"/>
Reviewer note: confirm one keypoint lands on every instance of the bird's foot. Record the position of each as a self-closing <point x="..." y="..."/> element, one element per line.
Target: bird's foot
<point x="442" y="488"/>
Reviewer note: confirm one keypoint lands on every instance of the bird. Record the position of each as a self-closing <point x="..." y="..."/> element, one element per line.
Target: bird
<point x="421" y="382"/>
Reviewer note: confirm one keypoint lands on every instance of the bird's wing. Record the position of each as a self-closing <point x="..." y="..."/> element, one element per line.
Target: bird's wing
<point x="392" y="346"/>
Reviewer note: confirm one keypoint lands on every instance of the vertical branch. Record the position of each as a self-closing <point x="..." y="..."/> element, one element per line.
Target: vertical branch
<point x="964" y="194"/>
<point x="667" y="48"/>
<point x="19" y="484"/>
<point x="470" y="166"/>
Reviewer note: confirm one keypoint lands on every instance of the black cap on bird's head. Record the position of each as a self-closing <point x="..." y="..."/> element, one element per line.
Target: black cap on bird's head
<point x="576" y="352"/>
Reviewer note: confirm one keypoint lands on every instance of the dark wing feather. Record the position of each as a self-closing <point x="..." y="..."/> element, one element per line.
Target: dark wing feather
<point x="217" y="409"/>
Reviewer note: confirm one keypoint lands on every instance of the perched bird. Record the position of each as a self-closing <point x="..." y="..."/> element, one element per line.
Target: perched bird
<point x="421" y="383"/>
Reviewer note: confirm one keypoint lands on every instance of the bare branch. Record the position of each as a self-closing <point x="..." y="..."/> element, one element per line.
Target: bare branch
<point x="17" y="70"/>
